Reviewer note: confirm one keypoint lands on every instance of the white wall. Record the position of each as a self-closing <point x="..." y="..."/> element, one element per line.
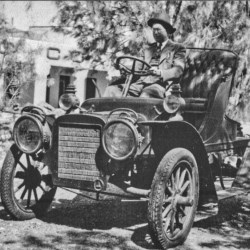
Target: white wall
<point x="45" y="66"/>
<point x="41" y="13"/>
<point x="80" y="83"/>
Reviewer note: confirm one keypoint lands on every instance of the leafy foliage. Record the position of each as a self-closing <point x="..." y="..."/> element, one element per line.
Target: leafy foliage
<point x="105" y="29"/>
<point x="17" y="66"/>
<point x="221" y="24"/>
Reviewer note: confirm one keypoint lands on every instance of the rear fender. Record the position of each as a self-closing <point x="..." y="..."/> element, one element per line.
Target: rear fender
<point x="173" y="134"/>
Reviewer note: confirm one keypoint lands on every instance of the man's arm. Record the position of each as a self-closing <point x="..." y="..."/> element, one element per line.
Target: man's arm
<point x="178" y="65"/>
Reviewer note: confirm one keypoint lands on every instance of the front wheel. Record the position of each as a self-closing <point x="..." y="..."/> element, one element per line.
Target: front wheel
<point x="174" y="198"/>
<point x="26" y="185"/>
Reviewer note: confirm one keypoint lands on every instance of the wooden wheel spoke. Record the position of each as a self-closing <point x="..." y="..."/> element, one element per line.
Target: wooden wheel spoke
<point x="180" y="214"/>
<point x="35" y="194"/>
<point x="19" y="187"/>
<point x="22" y="166"/>
<point x="182" y="178"/>
<point x="24" y="192"/>
<point x="184" y="187"/>
<point x="172" y="221"/>
<point x="178" y="226"/>
<point x="177" y="177"/>
<point x="29" y="198"/>
<point x="168" y="200"/>
<point x="166" y="223"/>
<point x="181" y="211"/>
<point x="167" y="219"/>
<point x="42" y="188"/>
<point x="173" y="182"/>
<point x="166" y="211"/>
<point x="20" y="175"/>
<point x="177" y="219"/>
<point x="169" y="188"/>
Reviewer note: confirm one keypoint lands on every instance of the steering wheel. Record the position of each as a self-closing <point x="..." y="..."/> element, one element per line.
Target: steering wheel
<point x="142" y="71"/>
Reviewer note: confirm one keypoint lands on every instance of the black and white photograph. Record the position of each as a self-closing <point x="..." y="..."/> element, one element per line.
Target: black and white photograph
<point x="125" y="125"/>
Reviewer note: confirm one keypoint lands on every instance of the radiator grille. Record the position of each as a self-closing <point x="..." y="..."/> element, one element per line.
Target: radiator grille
<point x="77" y="148"/>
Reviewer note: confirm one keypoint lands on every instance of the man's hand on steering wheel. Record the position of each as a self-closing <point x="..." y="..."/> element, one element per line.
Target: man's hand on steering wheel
<point x="145" y="69"/>
<point x="155" y="71"/>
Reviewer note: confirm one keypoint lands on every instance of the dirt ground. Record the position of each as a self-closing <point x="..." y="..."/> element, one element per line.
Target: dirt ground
<point x="76" y="222"/>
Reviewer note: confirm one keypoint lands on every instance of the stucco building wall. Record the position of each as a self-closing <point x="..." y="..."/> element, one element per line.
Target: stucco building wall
<point x="56" y="69"/>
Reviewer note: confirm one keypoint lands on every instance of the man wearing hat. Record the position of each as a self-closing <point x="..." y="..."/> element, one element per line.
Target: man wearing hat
<point x="167" y="60"/>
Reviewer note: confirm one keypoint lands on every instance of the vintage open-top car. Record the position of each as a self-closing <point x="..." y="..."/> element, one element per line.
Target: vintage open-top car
<point x="168" y="151"/>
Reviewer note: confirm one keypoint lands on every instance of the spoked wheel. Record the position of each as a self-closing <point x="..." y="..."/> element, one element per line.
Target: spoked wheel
<point x="26" y="185"/>
<point x="174" y="198"/>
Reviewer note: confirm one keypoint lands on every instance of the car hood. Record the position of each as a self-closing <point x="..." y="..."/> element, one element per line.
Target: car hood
<point x="149" y="107"/>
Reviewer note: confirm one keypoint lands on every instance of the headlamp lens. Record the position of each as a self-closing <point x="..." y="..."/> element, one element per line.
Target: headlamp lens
<point x="68" y="101"/>
<point x="27" y="135"/>
<point x="65" y="102"/>
<point x="171" y="104"/>
<point x="119" y="140"/>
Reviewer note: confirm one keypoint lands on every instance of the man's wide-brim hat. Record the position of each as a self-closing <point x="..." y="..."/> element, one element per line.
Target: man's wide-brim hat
<point x="164" y="20"/>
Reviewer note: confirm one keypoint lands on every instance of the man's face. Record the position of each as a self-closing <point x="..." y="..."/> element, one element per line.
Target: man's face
<point x="159" y="32"/>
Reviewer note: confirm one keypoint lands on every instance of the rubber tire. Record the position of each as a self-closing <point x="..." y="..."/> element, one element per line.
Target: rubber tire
<point x="8" y="199"/>
<point x="163" y="173"/>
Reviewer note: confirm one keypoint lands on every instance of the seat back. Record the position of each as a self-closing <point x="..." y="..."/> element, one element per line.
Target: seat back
<point x="208" y="76"/>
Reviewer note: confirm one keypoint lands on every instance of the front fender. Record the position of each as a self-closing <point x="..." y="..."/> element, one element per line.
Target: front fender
<point x="173" y="134"/>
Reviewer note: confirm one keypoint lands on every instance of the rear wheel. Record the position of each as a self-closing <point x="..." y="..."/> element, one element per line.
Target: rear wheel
<point x="174" y="198"/>
<point x="26" y="185"/>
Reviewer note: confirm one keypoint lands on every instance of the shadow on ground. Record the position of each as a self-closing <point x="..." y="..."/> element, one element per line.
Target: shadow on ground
<point x="114" y="224"/>
<point x="97" y="214"/>
<point x="229" y="229"/>
<point x="106" y="224"/>
<point x="73" y="239"/>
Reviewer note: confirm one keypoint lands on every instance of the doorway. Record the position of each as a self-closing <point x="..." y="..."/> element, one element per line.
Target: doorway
<point x="57" y="81"/>
<point x="64" y="81"/>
